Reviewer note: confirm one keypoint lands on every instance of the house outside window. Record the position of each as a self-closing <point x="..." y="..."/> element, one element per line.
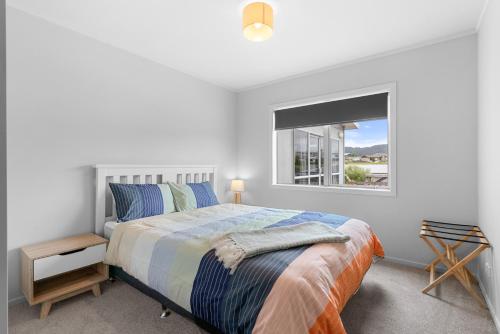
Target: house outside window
<point x="353" y="153"/>
<point x="308" y="156"/>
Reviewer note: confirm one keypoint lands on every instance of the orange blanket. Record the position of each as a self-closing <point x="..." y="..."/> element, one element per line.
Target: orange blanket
<point x="310" y="294"/>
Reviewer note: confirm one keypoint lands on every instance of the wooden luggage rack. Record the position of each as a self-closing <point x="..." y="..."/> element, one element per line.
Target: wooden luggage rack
<point x="450" y="237"/>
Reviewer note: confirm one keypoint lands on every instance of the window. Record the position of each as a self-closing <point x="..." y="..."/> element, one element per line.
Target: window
<point x="344" y="143"/>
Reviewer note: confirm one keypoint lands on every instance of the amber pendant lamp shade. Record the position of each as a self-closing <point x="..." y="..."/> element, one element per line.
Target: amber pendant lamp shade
<point x="258" y="21"/>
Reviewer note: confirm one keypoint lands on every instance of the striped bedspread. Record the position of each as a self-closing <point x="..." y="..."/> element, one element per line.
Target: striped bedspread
<point x="298" y="290"/>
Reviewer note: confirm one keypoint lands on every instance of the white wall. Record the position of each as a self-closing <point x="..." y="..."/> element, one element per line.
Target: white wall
<point x="488" y="148"/>
<point x="74" y="102"/>
<point x="436" y="151"/>
<point x="3" y="179"/>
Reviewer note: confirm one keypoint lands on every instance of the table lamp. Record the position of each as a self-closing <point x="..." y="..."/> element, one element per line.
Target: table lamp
<point x="237" y="186"/>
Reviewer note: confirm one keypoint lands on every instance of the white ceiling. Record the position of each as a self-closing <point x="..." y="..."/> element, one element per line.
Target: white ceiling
<point x="203" y="37"/>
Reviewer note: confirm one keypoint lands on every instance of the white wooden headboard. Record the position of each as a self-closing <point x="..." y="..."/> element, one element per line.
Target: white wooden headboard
<point x="153" y="174"/>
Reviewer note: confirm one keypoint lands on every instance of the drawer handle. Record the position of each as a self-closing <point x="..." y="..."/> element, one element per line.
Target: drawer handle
<point x="73" y="251"/>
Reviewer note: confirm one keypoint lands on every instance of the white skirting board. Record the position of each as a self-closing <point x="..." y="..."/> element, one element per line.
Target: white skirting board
<point x="490" y="305"/>
<point x="413" y="264"/>
<point x="418" y="265"/>
<point x="17" y="300"/>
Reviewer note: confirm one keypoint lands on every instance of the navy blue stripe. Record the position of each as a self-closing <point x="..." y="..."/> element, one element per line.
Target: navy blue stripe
<point x="249" y="286"/>
<point x="232" y="302"/>
<point x="208" y="289"/>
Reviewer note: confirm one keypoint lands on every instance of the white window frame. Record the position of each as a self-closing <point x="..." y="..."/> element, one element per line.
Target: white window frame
<point x="391" y="190"/>
<point x="321" y="167"/>
<point x="330" y="159"/>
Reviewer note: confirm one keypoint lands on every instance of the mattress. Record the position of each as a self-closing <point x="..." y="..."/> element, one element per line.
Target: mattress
<point x="297" y="290"/>
<point x="109" y="227"/>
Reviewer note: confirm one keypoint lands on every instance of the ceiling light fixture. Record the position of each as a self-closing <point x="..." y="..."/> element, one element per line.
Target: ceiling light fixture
<point x="257" y="21"/>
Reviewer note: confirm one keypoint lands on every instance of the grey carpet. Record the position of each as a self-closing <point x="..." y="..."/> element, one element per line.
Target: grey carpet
<point x="389" y="301"/>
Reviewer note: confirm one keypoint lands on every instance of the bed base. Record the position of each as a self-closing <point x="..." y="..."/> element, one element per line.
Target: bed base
<point x="165" y="312"/>
<point x="166" y="304"/>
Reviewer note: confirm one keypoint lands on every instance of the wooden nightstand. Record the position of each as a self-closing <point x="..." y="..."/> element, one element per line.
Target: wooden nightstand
<point x="56" y="270"/>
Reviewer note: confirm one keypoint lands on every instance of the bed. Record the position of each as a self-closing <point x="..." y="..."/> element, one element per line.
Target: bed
<point x="168" y="257"/>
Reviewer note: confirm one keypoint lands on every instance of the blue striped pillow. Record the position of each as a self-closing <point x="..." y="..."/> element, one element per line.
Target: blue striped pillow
<point x="204" y="194"/>
<point x="134" y="201"/>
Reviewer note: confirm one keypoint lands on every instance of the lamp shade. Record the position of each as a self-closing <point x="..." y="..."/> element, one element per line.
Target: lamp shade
<point x="237" y="185"/>
<point x="258" y="21"/>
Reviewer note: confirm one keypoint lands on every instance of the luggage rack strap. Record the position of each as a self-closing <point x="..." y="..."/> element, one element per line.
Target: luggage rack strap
<point x="434" y="221"/>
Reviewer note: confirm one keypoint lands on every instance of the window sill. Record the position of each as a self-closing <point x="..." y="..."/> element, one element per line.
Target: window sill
<point x="340" y="190"/>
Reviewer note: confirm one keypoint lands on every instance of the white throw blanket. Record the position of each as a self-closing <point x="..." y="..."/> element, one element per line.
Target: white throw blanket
<point x="232" y="248"/>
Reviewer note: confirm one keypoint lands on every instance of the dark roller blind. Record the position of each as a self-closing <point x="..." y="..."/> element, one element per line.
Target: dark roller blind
<point x="341" y="111"/>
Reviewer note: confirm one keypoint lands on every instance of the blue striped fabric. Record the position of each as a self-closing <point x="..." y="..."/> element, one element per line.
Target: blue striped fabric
<point x="134" y="201"/>
<point x="233" y="302"/>
<point x="208" y="289"/>
<point x="204" y="194"/>
<point x="152" y="199"/>
<point x="164" y="251"/>
<point x="248" y="288"/>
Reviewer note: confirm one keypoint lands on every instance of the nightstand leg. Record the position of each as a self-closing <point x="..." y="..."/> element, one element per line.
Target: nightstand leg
<point x="96" y="290"/>
<point x="44" y="311"/>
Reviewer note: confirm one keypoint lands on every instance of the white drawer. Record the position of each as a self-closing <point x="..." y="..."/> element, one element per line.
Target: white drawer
<point x="58" y="264"/>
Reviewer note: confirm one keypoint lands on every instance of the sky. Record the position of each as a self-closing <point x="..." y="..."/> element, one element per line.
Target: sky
<point x="369" y="133"/>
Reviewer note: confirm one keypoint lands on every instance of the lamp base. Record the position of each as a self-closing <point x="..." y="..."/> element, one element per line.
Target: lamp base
<point x="237" y="198"/>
